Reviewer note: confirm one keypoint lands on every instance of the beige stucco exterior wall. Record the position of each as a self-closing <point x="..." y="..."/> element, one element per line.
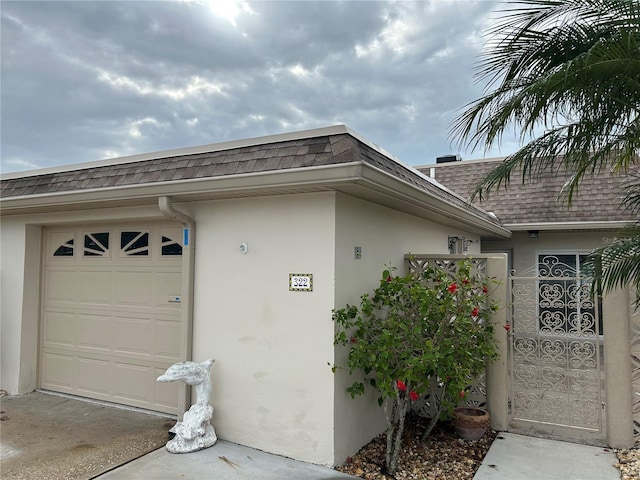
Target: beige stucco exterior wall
<point x="497" y="373"/>
<point x="524" y="248"/>
<point x="617" y="368"/>
<point x="272" y="387"/>
<point x="12" y="264"/>
<point x="385" y="236"/>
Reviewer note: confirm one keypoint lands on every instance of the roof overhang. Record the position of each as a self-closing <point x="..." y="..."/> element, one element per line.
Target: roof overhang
<point x="563" y="226"/>
<point x="359" y="179"/>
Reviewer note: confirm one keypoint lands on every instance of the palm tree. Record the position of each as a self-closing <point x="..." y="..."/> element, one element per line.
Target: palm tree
<point x="571" y="70"/>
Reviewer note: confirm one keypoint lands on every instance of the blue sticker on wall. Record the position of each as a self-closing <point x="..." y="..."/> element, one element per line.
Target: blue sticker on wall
<point x="185" y="238"/>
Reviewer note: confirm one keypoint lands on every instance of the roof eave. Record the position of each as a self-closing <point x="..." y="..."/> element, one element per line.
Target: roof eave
<point x="431" y="206"/>
<point x="559" y="226"/>
<point x="355" y="178"/>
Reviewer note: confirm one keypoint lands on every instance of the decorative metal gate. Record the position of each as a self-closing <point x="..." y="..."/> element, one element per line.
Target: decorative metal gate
<point x="556" y="380"/>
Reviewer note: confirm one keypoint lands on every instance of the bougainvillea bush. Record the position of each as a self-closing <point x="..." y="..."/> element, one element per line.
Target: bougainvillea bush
<point x="422" y="333"/>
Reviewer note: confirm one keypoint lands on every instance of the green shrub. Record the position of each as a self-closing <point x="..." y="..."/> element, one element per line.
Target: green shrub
<point x="418" y="334"/>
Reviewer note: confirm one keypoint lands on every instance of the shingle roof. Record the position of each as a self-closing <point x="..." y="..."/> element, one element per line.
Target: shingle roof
<point x="253" y="159"/>
<point x="313" y="151"/>
<point x="538" y="200"/>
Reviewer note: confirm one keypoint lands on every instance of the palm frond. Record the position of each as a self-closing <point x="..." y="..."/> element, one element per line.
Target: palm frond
<point x="616" y="265"/>
<point x="570" y="68"/>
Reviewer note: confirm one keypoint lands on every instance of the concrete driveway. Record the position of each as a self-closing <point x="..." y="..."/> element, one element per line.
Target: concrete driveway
<point x="51" y="436"/>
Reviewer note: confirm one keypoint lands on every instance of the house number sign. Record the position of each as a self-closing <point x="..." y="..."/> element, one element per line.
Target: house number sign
<point x="300" y="282"/>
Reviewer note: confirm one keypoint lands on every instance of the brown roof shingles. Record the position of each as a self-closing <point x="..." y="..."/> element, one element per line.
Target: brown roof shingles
<point x="538" y="200"/>
<point x="306" y="152"/>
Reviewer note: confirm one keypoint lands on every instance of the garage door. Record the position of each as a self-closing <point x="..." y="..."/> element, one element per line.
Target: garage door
<point x="111" y="313"/>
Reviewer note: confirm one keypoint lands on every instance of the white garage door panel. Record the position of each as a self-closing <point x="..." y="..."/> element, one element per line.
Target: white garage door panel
<point x="60" y="286"/>
<point x="111" y="322"/>
<point x="168" y="285"/>
<point x="132" y="382"/>
<point x="95" y="287"/>
<point x="167" y="340"/>
<point x="134" y="336"/>
<point x="59" y="329"/>
<point x="93" y="332"/>
<point x="134" y="288"/>
<point x="58" y="369"/>
<point x="93" y="377"/>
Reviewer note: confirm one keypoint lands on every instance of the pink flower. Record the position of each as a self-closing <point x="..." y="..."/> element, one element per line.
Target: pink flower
<point x="507" y="327"/>
<point x="484" y="289"/>
<point x="452" y="288"/>
<point x="413" y="395"/>
<point x="353" y="340"/>
<point x="389" y="279"/>
<point x="402" y="387"/>
<point x="462" y="393"/>
<point x="465" y="281"/>
<point x="475" y="312"/>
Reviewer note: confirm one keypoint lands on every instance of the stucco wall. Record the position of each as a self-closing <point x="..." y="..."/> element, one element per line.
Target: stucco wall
<point x="524" y="248"/>
<point x="385" y="236"/>
<point x="12" y="257"/>
<point x="272" y="387"/>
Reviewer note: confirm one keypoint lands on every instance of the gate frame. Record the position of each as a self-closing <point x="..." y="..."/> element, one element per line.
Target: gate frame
<point x="617" y="312"/>
<point x="618" y="424"/>
<point x="531" y="276"/>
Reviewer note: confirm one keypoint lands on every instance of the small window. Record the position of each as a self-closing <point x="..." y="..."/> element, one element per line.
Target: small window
<point x="65" y="250"/>
<point x="96" y="244"/>
<point x="135" y="243"/>
<point x="170" y="247"/>
<point x="565" y="304"/>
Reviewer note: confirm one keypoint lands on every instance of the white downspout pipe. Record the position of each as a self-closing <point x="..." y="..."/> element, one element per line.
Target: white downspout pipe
<point x="188" y="270"/>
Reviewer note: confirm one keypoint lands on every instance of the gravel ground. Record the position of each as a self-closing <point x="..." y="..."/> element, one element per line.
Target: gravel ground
<point x="445" y="456"/>
<point x="629" y="463"/>
<point x="442" y="456"/>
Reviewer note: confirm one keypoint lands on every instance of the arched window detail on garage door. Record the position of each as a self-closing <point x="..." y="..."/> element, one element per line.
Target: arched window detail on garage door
<point x="170" y="247"/>
<point x="65" y="250"/>
<point x="96" y="244"/>
<point x="134" y="243"/>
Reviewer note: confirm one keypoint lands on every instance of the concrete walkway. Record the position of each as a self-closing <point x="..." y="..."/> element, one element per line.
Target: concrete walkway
<point x="223" y="461"/>
<point x="511" y="457"/>
<point x="518" y="457"/>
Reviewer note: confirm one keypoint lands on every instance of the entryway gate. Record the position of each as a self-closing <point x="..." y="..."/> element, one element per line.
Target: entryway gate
<point x="555" y="352"/>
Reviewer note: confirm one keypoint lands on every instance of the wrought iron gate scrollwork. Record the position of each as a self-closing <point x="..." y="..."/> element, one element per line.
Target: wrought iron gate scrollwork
<point x="555" y="348"/>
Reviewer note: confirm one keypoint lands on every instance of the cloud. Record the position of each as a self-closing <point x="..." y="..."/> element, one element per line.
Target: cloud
<point x="85" y="80"/>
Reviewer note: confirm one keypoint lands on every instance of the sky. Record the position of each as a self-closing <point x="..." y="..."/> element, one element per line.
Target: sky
<point x="91" y="80"/>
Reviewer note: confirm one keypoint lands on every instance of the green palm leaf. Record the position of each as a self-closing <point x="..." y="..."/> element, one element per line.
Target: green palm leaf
<point x="571" y="70"/>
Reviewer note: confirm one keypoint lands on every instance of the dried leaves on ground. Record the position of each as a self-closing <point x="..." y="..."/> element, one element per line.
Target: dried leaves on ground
<point x="442" y="455"/>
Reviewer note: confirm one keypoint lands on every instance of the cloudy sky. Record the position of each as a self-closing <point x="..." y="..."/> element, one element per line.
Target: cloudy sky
<point x="88" y="80"/>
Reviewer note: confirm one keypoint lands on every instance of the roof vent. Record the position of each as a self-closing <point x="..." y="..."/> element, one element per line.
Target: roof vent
<point x="448" y="158"/>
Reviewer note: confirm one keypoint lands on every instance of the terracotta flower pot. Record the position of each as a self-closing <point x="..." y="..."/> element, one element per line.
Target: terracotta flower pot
<point x="470" y="423"/>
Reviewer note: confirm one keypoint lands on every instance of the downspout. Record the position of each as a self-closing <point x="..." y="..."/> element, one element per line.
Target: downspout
<point x="188" y="270"/>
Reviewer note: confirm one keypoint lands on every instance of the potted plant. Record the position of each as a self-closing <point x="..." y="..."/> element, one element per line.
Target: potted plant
<point x="417" y="334"/>
<point x="470" y="423"/>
